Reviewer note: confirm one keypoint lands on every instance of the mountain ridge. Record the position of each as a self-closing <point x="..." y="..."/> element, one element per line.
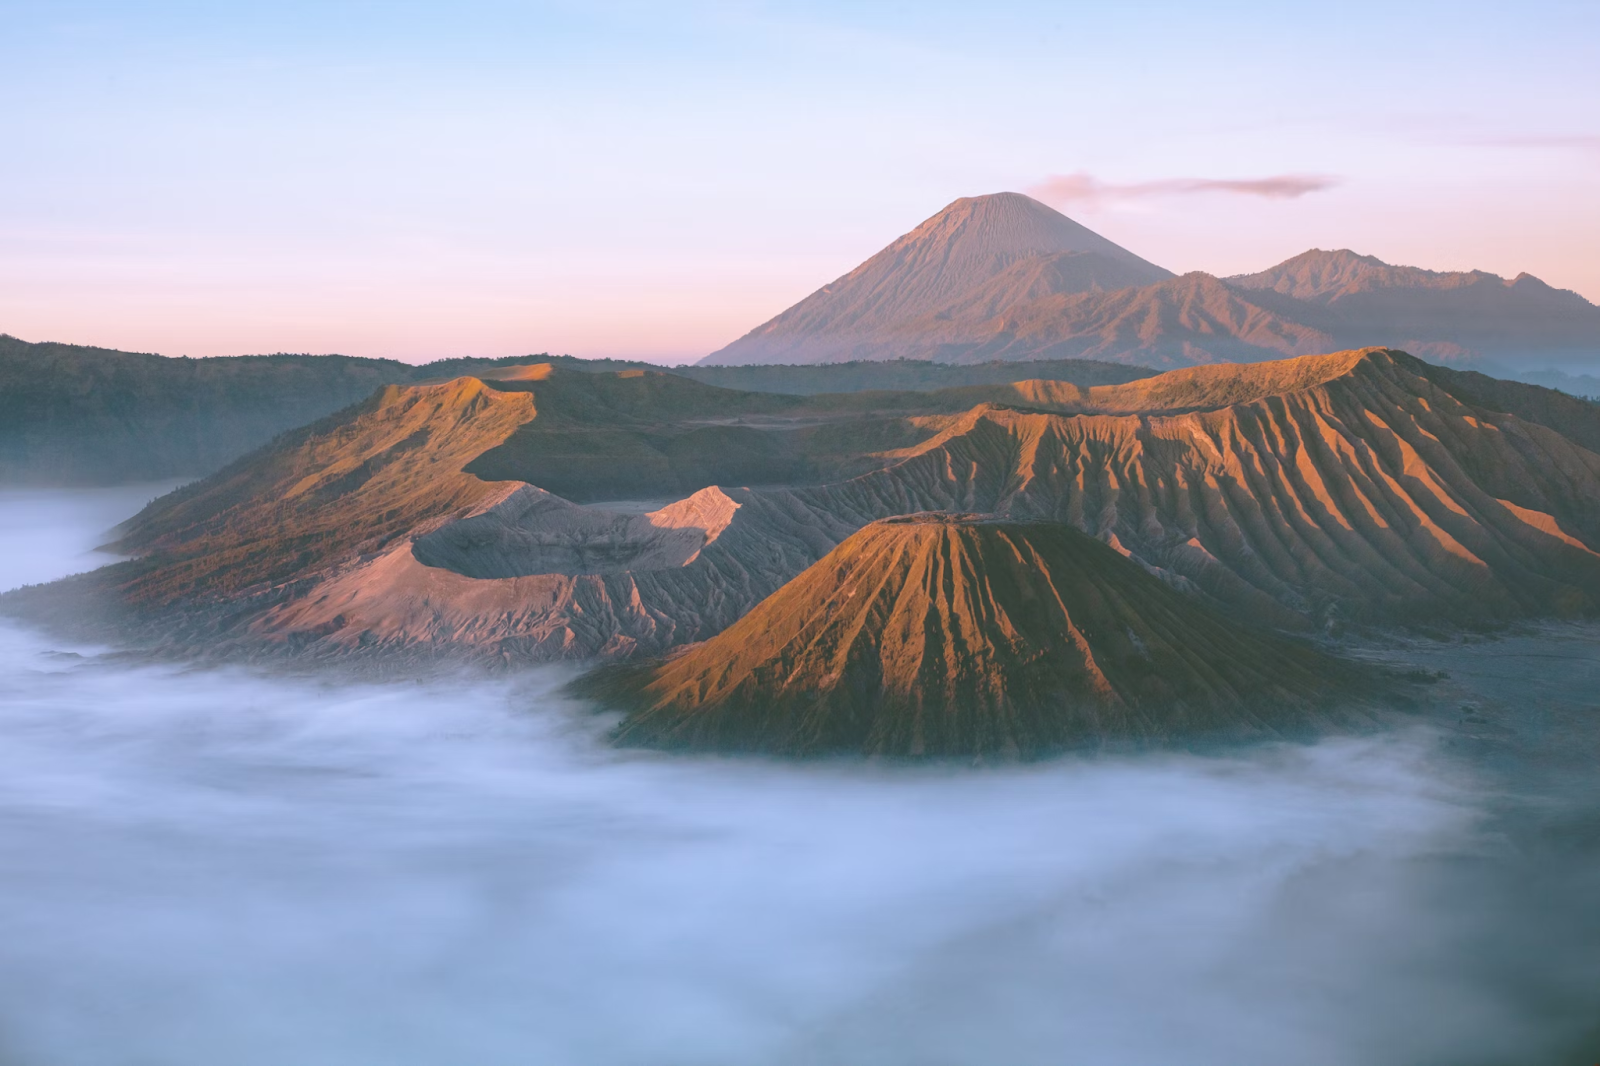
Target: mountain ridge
<point x="913" y="301"/>
<point x="1358" y="300"/>
<point x="1356" y="488"/>
<point x="80" y="415"/>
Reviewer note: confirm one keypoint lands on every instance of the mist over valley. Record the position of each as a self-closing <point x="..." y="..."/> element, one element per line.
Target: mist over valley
<point x="243" y="864"/>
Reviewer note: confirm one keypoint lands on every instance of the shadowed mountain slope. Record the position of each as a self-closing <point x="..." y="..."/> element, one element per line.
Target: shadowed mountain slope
<point x="77" y="415"/>
<point x="1188" y="320"/>
<point x="999" y="250"/>
<point x="90" y="416"/>
<point x="71" y="415"/>
<point x="951" y="635"/>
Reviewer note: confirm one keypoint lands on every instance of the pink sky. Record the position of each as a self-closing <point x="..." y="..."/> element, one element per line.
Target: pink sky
<point x="620" y="182"/>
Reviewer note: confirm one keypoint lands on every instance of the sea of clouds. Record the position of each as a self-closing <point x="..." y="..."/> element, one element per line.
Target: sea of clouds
<point x="217" y="865"/>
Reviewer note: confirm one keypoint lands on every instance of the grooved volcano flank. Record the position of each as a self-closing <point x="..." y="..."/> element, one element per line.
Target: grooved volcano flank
<point x="938" y="634"/>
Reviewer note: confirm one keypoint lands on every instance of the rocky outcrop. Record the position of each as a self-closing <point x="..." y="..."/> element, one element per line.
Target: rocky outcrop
<point x="962" y="635"/>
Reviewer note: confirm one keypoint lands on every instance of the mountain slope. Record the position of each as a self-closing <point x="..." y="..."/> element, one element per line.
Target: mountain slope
<point x="938" y="634"/>
<point x="1359" y="300"/>
<point x="1006" y="247"/>
<point x="1357" y="487"/>
<point x="1183" y="321"/>
<point x="1354" y="486"/>
<point x="342" y="487"/>
<point x="91" y="416"/>
<point x="1004" y="277"/>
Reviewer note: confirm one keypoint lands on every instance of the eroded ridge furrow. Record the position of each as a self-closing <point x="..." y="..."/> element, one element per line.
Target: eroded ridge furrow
<point x="941" y="635"/>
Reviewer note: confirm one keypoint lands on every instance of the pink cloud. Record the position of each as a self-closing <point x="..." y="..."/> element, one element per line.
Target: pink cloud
<point x="1086" y="188"/>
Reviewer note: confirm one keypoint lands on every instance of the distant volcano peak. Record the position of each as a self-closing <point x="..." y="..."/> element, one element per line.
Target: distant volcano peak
<point x="1005" y="277"/>
<point x="1005" y="248"/>
<point x="1009" y="224"/>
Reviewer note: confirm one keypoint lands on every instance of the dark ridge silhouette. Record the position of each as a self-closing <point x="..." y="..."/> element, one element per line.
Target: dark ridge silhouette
<point x="73" y="415"/>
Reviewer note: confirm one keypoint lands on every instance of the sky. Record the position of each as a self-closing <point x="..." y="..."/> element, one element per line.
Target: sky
<point x="423" y="180"/>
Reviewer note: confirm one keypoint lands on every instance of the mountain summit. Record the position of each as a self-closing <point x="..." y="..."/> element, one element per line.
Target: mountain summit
<point x="981" y="254"/>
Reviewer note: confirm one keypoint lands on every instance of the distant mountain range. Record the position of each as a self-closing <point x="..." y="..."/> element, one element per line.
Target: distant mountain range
<point x="1006" y="277"/>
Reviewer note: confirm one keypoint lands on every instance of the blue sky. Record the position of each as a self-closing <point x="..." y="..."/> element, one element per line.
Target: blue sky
<point x="420" y="180"/>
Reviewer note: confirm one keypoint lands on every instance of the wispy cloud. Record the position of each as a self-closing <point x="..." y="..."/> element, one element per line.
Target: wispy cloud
<point x="1086" y="188"/>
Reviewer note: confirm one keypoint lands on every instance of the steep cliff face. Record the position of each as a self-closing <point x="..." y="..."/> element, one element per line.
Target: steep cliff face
<point x="941" y="634"/>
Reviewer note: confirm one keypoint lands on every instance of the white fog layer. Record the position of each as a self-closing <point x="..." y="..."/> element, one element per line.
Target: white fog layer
<point x="203" y="866"/>
<point x="50" y="533"/>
